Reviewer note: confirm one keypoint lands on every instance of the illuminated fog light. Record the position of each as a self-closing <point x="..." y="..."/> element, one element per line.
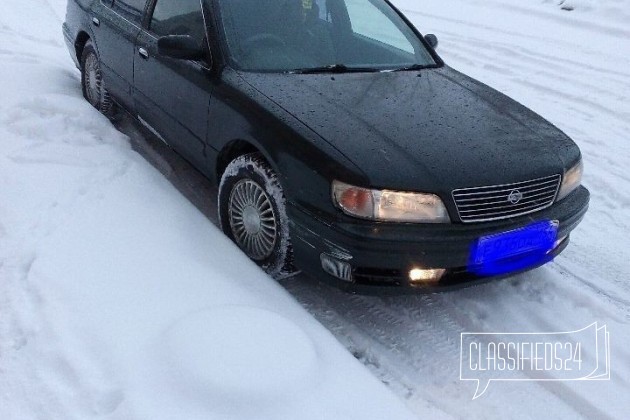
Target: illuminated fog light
<point x="424" y="276"/>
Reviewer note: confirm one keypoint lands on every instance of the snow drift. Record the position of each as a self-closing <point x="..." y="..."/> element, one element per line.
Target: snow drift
<point x="118" y="298"/>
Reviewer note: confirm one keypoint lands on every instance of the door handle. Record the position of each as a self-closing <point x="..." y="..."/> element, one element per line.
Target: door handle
<point x="96" y="22"/>
<point x="143" y="53"/>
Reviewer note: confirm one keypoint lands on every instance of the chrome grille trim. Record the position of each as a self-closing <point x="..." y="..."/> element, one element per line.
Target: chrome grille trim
<point x="476" y="197"/>
<point x="487" y="203"/>
<point x="542" y="194"/>
<point x="493" y="190"/>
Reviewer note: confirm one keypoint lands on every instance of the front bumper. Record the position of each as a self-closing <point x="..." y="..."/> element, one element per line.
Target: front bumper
<point x="381" y="254"/>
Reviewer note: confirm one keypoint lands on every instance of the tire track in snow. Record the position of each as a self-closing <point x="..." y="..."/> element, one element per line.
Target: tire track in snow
<point x="503" y="58"/>
<point x="524" y="69"/>
<point x="379" y="337"/>
<point x="610" y="296"/>
<point x="557" y="18"/>
<point x="412" y="339"/>
<point x="432" y="17"/>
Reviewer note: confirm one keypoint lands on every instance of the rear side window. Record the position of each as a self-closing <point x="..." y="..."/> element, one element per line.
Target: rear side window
<point x="178" y="17"/>
<point x="131" y="9"/>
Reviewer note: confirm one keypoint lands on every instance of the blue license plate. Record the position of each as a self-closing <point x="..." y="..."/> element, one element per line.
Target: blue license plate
<point x="514" y="250"/>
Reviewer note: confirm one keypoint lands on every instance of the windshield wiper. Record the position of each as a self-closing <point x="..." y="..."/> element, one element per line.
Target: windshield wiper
<point x="413" y="67"/>
<point x="334" y="68"/>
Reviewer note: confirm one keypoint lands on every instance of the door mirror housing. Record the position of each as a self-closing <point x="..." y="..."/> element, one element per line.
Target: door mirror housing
<point x="182" y="47"/>
<point x="431" y="40"/>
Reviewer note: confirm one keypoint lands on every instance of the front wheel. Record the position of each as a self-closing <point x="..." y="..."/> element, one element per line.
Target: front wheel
<point x="252" y="212"/>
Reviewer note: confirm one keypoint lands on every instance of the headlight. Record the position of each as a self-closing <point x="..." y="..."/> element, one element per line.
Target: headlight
<point x="388" y="205"/>
<point x="571" y="180"/>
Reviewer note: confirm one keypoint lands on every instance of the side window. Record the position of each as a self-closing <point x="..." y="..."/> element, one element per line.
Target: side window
<point x="317" y="9"/>
<point x="370" y="21"/>
<point x="131" y="9"/>
<point x="178" y="17"/>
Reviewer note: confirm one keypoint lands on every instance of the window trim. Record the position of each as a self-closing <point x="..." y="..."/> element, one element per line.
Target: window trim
<point x="206" y="64"/>
<point x="439" y="63"/>
<point x="128" y="16"/>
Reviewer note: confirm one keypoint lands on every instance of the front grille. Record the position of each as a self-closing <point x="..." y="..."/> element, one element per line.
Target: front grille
<point x="480" y="204"/>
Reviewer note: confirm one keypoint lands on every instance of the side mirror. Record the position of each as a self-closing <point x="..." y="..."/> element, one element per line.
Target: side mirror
<point x="431" y="40"/>
<point x="183" y="47"/>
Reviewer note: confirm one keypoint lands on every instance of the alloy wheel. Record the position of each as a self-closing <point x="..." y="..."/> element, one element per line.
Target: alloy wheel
<point x="252" y="219"/>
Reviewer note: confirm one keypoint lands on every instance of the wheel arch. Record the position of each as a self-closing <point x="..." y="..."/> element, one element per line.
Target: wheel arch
<point x="79" y="44"/>
<point x="234" y="149"/>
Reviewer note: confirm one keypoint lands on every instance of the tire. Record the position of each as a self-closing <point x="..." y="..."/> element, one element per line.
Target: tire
<point x="252" y="213"/>
<point x="92" y="84"/>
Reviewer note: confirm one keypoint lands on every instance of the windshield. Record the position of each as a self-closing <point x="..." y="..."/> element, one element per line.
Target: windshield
<point x="298" y="35"/>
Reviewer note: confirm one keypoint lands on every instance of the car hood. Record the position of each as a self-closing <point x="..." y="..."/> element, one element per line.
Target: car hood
<point x="434" y="130"/>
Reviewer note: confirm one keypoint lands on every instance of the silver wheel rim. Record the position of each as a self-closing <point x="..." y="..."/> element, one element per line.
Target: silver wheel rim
<point x="93" y="79"/>
<point x="252" y="219"/>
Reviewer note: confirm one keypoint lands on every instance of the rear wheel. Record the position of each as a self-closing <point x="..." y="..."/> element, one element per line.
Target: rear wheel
<point x="94" y="89"/>
<point x="252" y="212"/>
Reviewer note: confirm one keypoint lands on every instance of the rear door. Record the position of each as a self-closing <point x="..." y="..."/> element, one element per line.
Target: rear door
<point x="116" y="25"/>
<point x="172" y="96"/>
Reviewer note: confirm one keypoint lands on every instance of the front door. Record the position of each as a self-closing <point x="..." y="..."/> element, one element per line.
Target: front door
<point x="172" y="96"/>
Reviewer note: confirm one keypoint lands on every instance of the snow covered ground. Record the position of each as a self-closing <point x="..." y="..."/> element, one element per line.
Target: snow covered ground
<point x="115" y="290"/>
<point x="118" y="298"/>
<point x="574" y="69"/>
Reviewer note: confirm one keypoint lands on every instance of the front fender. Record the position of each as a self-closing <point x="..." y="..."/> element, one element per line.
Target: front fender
<point x="305" y="162"/>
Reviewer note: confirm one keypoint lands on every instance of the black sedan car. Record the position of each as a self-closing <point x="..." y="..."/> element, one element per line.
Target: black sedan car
<point x="342" y="144"/>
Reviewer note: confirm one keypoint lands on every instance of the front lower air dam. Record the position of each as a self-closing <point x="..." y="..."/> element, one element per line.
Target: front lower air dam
<point x="515" y="250"/>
